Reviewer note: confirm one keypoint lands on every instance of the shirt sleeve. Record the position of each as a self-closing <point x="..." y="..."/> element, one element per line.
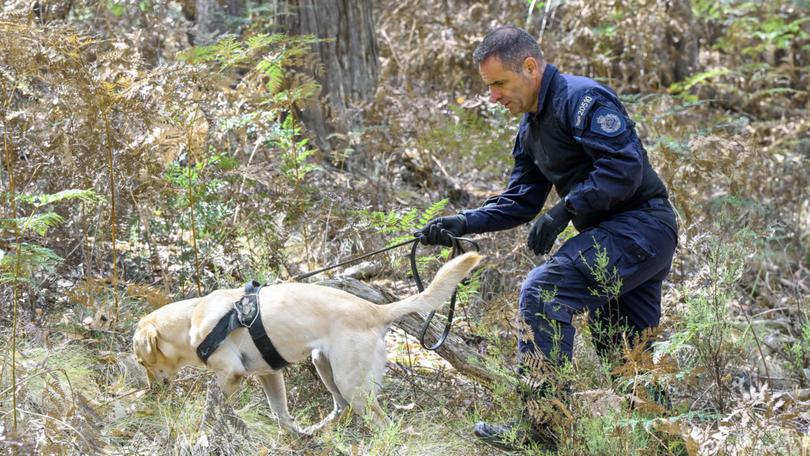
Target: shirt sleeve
<point x="600" y="124"/>
<point x="519" y="203"/>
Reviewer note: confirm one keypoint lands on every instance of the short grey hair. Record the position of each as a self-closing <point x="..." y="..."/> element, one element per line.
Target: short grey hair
<point x="511" y="45"/>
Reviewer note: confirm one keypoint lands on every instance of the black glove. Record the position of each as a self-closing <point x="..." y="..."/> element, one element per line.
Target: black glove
<point x="438" y="230"/>
<point x="546" y="228"/>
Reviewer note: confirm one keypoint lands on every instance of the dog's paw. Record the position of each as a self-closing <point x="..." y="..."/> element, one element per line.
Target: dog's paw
<point x="308" y="431"/>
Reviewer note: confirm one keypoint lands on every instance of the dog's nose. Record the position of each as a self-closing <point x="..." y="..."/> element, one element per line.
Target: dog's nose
<point x="166" y="381"/>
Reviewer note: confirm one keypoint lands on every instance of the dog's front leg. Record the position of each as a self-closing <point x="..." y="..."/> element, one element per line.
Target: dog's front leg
<point x="276" y="392"/>
<point x="229" y="382"/>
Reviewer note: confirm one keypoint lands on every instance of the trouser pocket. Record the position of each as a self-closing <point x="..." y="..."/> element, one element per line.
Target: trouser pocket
<point x="611" y="257"/>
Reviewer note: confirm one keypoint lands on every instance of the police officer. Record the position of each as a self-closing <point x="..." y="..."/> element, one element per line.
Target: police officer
<point x="576" y="136"/>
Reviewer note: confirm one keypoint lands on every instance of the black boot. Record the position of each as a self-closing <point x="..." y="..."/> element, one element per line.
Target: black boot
<point x="512" y="437"/>
<point x="534" y="386"/>
<point x="503" y="436"/>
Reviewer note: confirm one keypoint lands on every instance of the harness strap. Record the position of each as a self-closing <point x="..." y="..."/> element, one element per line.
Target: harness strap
<point x="230" y="321"/>
<point x="214" y="339"/>
<point x="266" y="348"/>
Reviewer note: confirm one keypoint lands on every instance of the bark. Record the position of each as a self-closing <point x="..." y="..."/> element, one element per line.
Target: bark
<point x="209" y="17"/>
<point x="348" y="53"/>
<point x="461" y="356"/>
<point x="235" y="8"/>
<point x="204" y="25"/>
<point x="685" y="43"/>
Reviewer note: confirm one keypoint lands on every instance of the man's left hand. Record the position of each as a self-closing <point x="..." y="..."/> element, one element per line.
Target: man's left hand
<point x="546" y="228"/>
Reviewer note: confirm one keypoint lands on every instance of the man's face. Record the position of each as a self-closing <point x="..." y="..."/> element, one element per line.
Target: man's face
<point x="516" y="91"/>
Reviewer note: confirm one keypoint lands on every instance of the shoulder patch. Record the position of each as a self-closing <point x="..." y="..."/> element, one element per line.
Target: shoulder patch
<point x="608" y="122"/>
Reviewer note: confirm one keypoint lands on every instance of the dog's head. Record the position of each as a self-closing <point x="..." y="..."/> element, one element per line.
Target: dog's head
<point x="146" y="343"/>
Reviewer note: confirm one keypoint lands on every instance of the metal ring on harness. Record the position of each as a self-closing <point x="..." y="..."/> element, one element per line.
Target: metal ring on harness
<point x="457" y="250"/>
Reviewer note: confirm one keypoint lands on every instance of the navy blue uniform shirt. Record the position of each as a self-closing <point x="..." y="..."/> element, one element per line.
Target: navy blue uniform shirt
<point x="582" y="142"/>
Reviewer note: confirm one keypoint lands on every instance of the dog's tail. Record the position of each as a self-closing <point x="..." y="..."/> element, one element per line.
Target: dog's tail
<point x="439" y="290"/>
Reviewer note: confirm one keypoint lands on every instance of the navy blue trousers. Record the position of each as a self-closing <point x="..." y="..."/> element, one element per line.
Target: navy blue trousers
<point x="638" y="246"/>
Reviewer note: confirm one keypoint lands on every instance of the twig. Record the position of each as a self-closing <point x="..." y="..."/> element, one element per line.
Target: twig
<point x="62" y="423"/>
<point x="108" y="142"/>
<point x="259" y="141"/>
<point x="441" y="168"/>
<point x="529" y="14"/>
<point x="190" y="190"/>
<point x="410" y="366"/>
<point x="391" y="47"/>
<point x="754" y="333"/>
<point x="8" y="149"/>
<point x="545" y="20"/>
<point x="37" y="374"/>
<point x="759" y="345"/>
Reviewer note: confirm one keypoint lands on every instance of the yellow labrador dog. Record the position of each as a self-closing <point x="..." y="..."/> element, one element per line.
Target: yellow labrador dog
<point x="343" y="334"/>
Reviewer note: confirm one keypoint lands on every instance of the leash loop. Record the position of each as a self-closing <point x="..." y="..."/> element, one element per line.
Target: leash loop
<point x="457" y="250"/>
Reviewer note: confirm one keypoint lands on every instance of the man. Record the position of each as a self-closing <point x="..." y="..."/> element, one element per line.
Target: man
<point x="574" y="135"/>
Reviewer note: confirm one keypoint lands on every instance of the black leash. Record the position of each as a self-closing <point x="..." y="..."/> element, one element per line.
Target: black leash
<point x="457" y="250"/>
<point x="334" y="266"/>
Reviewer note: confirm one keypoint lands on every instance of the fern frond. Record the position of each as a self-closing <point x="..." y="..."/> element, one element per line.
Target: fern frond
<point x="263" y="41"/>
<point x="272" y="69"/>
<point x="433" y="211"/>
<point x="38" y="223"/>
<point x="86" y="196"/>
<point x="408" y="220"/>
<point x="32" y="257"/>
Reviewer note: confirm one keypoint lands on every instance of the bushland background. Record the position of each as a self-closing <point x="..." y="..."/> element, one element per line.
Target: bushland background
<point x="155" y="150"/>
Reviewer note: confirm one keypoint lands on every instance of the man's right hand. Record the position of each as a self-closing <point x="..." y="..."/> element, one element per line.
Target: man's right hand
<point x="439" y="230"/>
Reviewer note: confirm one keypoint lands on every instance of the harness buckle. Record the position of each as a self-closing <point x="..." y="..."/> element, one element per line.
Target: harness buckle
<point x="247" y="307"/>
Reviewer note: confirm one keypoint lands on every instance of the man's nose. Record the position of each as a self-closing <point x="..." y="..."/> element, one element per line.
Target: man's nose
<point x="494" y="95"/>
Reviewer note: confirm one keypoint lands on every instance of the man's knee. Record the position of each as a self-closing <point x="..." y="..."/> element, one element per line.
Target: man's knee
<point x="540" y="294"/>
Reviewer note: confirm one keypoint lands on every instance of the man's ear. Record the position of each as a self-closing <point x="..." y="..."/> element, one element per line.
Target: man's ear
<point x="531" y="66"/>
<point x="145" y="343"/>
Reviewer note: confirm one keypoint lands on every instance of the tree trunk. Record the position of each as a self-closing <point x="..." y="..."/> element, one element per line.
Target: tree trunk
<point x="204" y="32"/>
<point x="209" y="18"/>
<point x="461" y="356"/>
<point x="348" y="53"/>
<point x="685" y="43"/>
<point x="236" y="8"/>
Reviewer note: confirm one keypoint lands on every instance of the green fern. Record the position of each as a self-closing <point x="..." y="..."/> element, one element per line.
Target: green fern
<point x="274" y="72"/>
<point x="696" y="79"/>
<point x="32" y="257"/>
<point x="431" y="212"/>
<point x="262" y="41"/>
<point x="86" y="196"/>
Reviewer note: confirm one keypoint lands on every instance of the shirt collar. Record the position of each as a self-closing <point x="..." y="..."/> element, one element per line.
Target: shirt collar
<point x="545" y="84"/>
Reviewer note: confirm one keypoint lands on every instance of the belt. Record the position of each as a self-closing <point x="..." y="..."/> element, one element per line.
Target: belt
<point x="654" y="203"/>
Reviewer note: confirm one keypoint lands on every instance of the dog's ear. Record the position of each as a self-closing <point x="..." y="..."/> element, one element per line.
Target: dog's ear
<point x="145" y="343"/>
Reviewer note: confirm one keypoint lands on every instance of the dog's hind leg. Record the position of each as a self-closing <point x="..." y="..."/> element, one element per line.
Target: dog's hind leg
<point x="358" y="375"/>
<point x="276" y="392"/>
<point x="324" y="369"/>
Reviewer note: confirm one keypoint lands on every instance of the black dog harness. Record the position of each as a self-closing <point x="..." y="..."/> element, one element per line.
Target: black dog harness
<point x="246" y="312"/>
